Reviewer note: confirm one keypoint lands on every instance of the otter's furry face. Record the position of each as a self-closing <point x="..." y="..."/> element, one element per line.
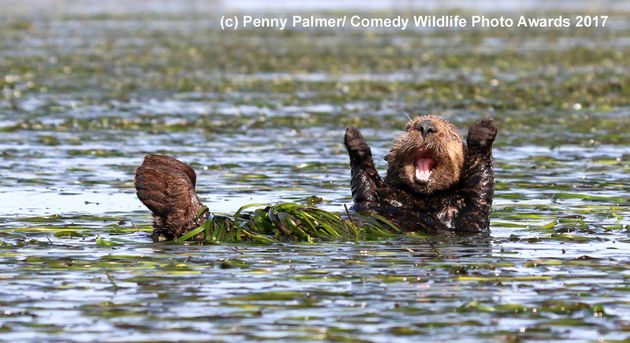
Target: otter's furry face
<point x="427" y="157"/>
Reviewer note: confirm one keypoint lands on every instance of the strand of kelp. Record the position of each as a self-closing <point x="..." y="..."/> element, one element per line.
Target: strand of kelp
<point x="289" y="222"/>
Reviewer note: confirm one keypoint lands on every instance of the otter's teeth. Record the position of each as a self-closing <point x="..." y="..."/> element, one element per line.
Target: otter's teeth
<point x="424" y="166"/>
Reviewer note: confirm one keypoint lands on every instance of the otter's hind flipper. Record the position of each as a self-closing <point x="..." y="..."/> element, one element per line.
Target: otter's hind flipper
<point x="171" y="162"/>
<point x="167" y="187"/>
<point x="365" y="180"/>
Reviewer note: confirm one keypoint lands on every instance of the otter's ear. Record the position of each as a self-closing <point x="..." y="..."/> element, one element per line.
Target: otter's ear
<point x="389" y="156"/>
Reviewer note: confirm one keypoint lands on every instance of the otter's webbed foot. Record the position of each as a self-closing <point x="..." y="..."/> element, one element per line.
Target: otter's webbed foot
<point x="365" y="180"/>
<point x="167" y="187"/>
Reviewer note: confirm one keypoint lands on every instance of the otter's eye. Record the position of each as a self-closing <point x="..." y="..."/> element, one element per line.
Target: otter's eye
<point x="426" y="127"/>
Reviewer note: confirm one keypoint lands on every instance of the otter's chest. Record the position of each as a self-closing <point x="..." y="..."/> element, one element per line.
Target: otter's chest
<point x="445" y="205"/>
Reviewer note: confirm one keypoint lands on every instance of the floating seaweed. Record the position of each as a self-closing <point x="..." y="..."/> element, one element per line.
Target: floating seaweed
<point x="289" y="222"/>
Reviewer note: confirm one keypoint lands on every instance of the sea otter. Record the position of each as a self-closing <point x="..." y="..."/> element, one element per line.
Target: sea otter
<point x="434" y="182"/>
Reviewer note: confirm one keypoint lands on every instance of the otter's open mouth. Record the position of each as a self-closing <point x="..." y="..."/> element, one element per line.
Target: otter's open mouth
<point x="424" y="165"/>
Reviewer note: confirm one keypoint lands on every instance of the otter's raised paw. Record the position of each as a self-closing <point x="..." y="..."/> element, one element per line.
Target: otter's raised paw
<point x="360" y="153"/>
<point x="482" y="134"/>
<point x="355" y="143"/>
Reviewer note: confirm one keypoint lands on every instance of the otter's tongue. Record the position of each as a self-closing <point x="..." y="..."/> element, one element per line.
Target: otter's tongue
<point x="424" y="165"/>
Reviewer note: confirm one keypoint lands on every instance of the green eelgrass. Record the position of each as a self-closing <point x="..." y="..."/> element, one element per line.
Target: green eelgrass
<point x="289" y="222"/>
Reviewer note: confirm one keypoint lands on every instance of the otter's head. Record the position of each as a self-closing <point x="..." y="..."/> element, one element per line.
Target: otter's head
<point x="427" y="157"/>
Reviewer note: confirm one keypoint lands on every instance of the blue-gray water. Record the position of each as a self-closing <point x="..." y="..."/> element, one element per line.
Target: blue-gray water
<point x="89" y="89"/>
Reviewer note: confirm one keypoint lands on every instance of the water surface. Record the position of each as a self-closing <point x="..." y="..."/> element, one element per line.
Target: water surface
<point x="260" y="115"/>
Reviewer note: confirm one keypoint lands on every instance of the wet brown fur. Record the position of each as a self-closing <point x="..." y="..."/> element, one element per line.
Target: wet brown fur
<point x="446" y="145"/>
<point x="167" y="187"/>
<point x="456" y="198"/>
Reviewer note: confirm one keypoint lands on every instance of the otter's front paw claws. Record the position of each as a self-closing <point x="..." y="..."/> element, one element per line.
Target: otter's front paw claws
<point x="482" y="134"/>
<point x="355" y="143"/>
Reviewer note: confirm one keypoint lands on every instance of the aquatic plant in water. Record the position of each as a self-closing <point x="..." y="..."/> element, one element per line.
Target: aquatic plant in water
<point x="289" y="222"/>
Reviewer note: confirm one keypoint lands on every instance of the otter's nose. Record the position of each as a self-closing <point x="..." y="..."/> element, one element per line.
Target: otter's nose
<point x="426" y="127"/>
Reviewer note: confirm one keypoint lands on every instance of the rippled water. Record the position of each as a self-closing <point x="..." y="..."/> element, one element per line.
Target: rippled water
<point x="260" y="115"/>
